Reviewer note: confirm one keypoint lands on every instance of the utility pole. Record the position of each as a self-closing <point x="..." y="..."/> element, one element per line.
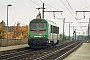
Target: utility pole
<point x="63" y="28"/>
<point x="88" y="31"/>
<point x="84" y="26"/>
<point x="73" y="31"/>
<point x="75" y="34"/>
<point x="84" y="32"/>
<point x="42" y="10"/>
<point x="69" y="29"/>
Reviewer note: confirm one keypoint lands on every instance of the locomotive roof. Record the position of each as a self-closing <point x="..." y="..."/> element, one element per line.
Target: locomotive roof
<point x="49" y="21"/>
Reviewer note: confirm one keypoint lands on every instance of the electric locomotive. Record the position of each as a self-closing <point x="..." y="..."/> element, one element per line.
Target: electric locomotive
<point x="42" y="33"/>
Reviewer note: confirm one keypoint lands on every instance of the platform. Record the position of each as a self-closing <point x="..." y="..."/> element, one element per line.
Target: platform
<point x="82" y="53"/>
<point x="13" y="47"/>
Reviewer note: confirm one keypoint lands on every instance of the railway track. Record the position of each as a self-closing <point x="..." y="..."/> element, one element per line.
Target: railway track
<point x="28" y="54"/>
<point x="60" y="53"/>
<point x="9" y="53"/>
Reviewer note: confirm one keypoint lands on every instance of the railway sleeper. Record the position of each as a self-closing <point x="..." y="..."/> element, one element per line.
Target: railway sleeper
<point x="5" y="56"/>
<point x="47" y="55"/>
<point x="67" y="53"/>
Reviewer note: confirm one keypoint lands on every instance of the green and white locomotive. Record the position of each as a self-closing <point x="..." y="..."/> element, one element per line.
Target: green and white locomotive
<point x="42" y="33"/>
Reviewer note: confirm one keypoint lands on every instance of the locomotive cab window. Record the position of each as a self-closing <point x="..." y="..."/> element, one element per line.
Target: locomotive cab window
<point x="54" y="29"/>
<point x="38" y="26"/>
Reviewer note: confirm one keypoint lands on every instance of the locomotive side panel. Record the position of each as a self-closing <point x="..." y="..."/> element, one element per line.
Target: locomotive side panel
<point x="53" y="37"/>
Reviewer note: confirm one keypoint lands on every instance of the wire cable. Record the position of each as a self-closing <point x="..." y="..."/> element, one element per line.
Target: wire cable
<point x="68" y="9"/>
<point x="85" y="7"/>
<point x="35" y="3"/>
<point x="50" y="9"/>
<point x="55" y="16"/>
<point x="72" y="9"/>
<point x="41" y="1"/>
<point x="70" y="6"/>
<point x="76" y="17"/>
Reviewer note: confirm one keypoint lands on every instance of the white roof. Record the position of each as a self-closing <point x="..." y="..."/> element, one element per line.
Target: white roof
<point x="51" y="23"/>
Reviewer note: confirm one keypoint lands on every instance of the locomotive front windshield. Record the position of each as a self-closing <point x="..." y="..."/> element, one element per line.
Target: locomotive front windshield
<point x="38" y="26"/>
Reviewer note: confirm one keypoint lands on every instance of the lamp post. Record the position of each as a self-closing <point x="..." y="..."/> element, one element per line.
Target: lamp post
<point x="7" y="22"/>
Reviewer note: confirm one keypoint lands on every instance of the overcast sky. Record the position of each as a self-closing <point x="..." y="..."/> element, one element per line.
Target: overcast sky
<point x="23" y="11"/>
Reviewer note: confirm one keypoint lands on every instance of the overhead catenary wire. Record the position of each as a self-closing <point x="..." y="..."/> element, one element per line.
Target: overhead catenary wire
<point x="70" y="6"/>
<point x="76" y="17"/>
<point x="56" y="8"/>
<point x="48" y="6"/>
<point x="84" y="13"/>
<point x="38" y="5"/>
<point x="85" y="7"/>
<point x="54" y="13"/>
<point x="53" y="8"/>
<point x="35" y="3"/>
<point x="41" y="1"/>
<point x="68" y="9"/>
<point x="44" y="3"/>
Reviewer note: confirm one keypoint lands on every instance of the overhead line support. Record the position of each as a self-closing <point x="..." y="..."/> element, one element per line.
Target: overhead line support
<point x="82" y="11"/>
<point x="53" y="12"/>
<point x="83" y="22"/>
<point x="69" y="28"/>
<point x="42" y="10"/>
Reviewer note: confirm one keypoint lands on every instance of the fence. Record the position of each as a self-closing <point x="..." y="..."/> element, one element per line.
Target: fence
<point x="11" y="42"/>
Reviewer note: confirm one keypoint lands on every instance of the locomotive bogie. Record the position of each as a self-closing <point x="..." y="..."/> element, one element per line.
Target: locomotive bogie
<point x="53" y="37"/>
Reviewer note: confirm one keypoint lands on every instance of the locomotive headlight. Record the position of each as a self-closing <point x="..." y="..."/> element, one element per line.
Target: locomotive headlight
<point x="43" y="36"/>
